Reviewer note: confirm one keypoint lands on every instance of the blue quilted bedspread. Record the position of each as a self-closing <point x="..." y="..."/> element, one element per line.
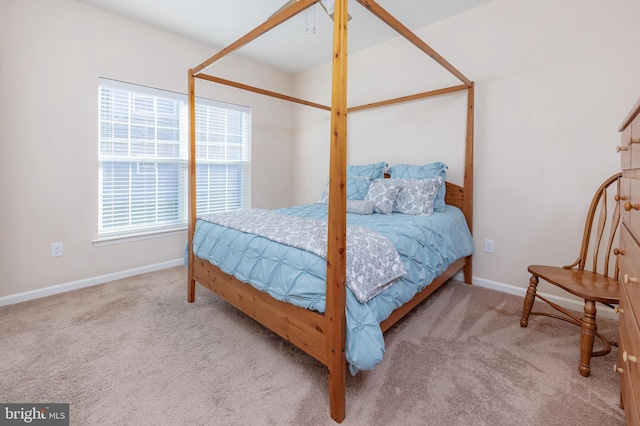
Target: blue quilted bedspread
<point x="427" y="245"/>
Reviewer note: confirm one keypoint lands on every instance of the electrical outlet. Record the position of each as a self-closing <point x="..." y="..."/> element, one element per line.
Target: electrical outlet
<point x="56" y="249"/>
<point x="489" y="246"/>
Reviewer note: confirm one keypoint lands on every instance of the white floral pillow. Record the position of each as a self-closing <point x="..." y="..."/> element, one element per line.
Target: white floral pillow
<point x="416" y="196"/>
<point x="383" y="192"/>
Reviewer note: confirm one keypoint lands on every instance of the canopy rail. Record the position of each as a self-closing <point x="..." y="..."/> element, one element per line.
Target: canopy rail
<point x="409" y="98"/>
<point x="289" y="98"/>
<point x="301" y="5"/>
<point x="387" y="18"/>
<point x="275" y="20"/>
<point x="261" y="91"/>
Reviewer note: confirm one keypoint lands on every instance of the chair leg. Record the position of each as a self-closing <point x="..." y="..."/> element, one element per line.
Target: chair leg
<point x="587" y="336"/>
<point x="529" y="298"/>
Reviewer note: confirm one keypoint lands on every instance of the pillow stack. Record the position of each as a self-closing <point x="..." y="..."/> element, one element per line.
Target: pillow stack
<point x="412" y="190"/>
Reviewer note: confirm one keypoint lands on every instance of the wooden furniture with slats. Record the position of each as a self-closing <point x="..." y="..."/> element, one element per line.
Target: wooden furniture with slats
<point x="628" y="366"/>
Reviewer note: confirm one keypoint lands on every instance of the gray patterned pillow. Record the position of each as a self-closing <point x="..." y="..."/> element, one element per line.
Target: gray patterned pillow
<point x="383" y="192"/>
<point x="417" y="196"/>
<point x="360" y="206"/>
<point x="427" y="171"/>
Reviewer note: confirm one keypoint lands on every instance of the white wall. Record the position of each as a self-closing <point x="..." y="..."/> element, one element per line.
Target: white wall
<point x="554" y="79"/>
<point x="51" y="55"/>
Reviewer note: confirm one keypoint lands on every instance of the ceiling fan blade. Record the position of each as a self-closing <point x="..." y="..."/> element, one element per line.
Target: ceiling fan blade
<point x="286" y="5"/>
<point x="328" y="7"/>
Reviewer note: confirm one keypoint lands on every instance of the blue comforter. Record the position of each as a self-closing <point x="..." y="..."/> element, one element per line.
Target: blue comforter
<point x="427" y="245"/>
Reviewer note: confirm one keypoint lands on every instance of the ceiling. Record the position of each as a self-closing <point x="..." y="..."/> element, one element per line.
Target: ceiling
<point x="298" y="44"/>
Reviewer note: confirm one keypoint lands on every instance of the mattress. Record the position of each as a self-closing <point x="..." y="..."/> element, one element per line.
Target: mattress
<point x="427" y="245"/>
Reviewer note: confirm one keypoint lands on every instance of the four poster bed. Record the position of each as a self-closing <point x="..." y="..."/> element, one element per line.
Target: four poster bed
<point x="329" y="323"/>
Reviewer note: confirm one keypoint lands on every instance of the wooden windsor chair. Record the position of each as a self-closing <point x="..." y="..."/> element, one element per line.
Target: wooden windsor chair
<point x="586" y="283"/>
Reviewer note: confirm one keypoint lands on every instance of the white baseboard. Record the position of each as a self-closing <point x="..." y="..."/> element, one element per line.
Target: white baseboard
<point x="573" y="304"/>
<point x="567" y="303"/>
<point x="88" y="282"/>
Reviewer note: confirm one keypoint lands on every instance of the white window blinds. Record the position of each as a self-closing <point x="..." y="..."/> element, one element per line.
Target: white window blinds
<point x="143" y="158"/>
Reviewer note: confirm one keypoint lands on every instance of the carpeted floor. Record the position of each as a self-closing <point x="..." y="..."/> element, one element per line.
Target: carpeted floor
<point x="134" y="352"/>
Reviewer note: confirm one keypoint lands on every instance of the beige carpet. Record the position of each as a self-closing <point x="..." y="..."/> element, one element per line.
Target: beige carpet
<point x="134" y="352"/>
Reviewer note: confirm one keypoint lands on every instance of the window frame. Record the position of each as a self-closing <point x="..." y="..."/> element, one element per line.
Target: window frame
<point x="178" y="210"/>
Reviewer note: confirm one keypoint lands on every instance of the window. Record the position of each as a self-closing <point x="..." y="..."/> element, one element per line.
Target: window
<point x="143" y="159"/>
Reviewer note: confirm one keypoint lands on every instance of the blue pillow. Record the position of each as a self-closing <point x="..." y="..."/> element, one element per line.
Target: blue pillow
<point x="424" y="172"/>
<point x="374" y="171"/>
<point x="357" y="189"/>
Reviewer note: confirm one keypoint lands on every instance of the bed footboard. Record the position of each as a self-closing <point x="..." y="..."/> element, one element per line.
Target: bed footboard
<point x="302" y="327"/>
<point x="299" y="326"/>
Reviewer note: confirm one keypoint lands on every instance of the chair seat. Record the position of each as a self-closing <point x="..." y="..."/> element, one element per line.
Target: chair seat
<point x="584" y="284"/>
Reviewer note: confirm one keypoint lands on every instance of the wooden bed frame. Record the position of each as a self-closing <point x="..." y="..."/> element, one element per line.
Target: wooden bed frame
<point x="323" y="335"/>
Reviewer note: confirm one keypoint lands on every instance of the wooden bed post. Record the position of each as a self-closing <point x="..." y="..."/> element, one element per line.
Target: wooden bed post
<point x="337" y="232"/>
<point x="191" y="296"/>
<point x="467" y="205"/>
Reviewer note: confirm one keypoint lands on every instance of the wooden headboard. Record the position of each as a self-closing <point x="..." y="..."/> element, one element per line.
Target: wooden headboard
<point x="454" y="195"/>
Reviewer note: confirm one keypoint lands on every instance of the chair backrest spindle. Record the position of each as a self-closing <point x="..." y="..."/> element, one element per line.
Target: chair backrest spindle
<point x="615" y="222"/>
<point x="599" y="206"/>
<point x="602" y="220"/>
